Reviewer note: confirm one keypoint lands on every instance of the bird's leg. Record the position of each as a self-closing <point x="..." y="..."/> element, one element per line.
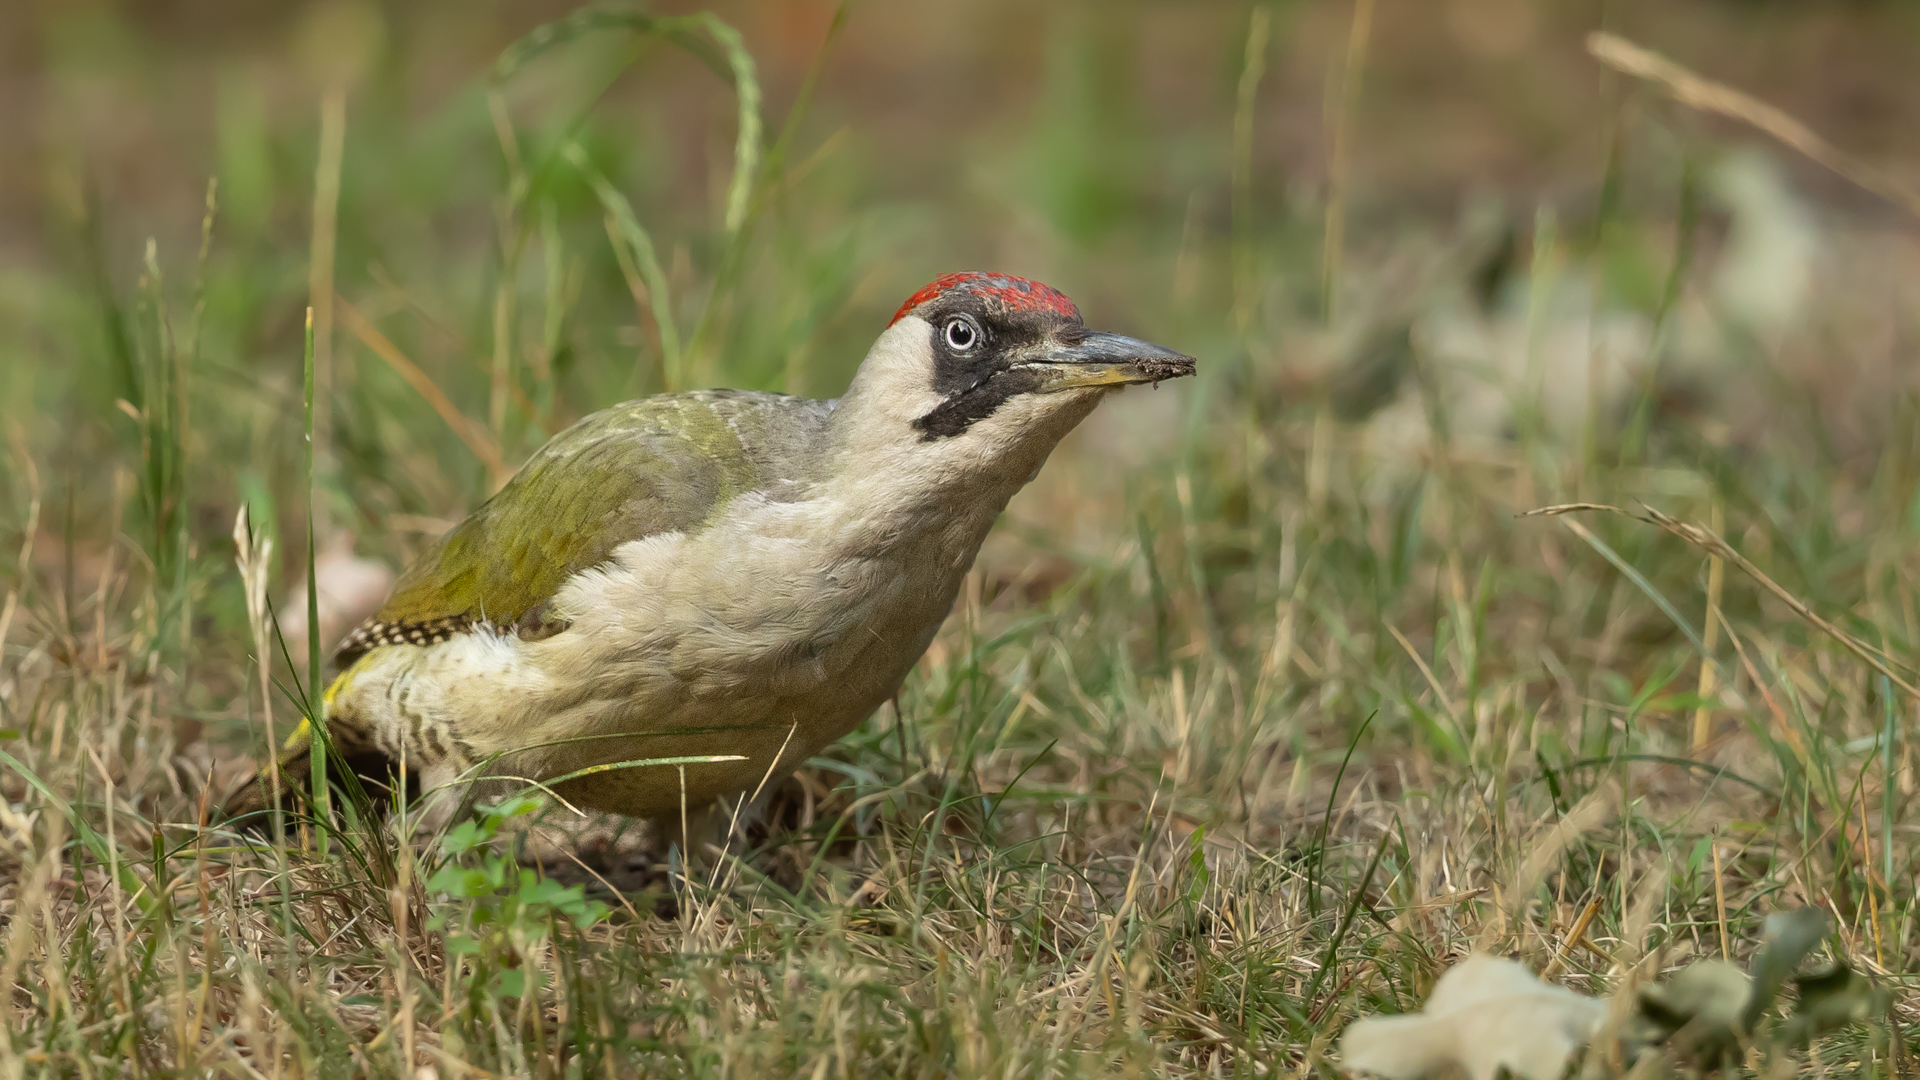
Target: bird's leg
<point x="693" y="839"/>
<point x="708" y="836"/>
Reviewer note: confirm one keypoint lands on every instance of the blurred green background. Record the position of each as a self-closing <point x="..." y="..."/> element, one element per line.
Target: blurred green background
<point x="1496" y="190"/>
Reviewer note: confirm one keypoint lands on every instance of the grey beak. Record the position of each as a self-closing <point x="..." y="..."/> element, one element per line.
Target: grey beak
<point x="1102" y="359"/>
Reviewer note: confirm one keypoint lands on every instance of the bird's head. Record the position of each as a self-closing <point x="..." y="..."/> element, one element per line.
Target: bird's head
<point x="986" y="366"/>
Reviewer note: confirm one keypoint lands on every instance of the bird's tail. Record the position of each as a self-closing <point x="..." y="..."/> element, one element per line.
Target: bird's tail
<point x="290" y="777"/>
<point x="277" y="784"/>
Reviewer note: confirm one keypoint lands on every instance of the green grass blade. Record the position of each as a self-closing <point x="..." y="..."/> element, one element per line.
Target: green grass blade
<point x="746" y="92"/>
<point x="315" y="709"/>
<point x="1640" y="582"/>
<point x="95" y="843"/>
<point x="682" y="30"/>
<point x="646" y="261"/>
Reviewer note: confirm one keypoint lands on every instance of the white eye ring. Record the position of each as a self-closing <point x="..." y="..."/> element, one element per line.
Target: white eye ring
<point x="961" y="334"/>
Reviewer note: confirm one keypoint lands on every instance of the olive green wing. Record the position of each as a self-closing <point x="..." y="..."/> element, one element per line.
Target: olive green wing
<point x="658" y="465"/>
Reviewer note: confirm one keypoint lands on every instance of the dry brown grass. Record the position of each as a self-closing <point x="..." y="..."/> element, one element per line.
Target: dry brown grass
<point x="1263" y="706"/>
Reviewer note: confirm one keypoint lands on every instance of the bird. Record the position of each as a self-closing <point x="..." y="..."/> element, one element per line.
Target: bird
<point x="734" y="577"/>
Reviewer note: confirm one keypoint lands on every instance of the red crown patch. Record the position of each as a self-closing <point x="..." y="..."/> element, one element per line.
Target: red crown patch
<point x="1012" y="293"/>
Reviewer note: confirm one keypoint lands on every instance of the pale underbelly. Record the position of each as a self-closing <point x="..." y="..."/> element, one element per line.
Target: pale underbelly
<point x="467" y="710"/>
<point x="758" y="741"/>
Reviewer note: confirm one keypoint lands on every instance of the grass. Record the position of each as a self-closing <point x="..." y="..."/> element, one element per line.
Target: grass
<point x="1209" y="760"/>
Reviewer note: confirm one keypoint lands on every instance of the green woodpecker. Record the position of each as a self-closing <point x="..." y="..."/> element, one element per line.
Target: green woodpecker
<point x="718" y="574"/>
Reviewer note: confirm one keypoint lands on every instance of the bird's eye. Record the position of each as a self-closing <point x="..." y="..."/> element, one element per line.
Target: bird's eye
<point x="961" y="335"/>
